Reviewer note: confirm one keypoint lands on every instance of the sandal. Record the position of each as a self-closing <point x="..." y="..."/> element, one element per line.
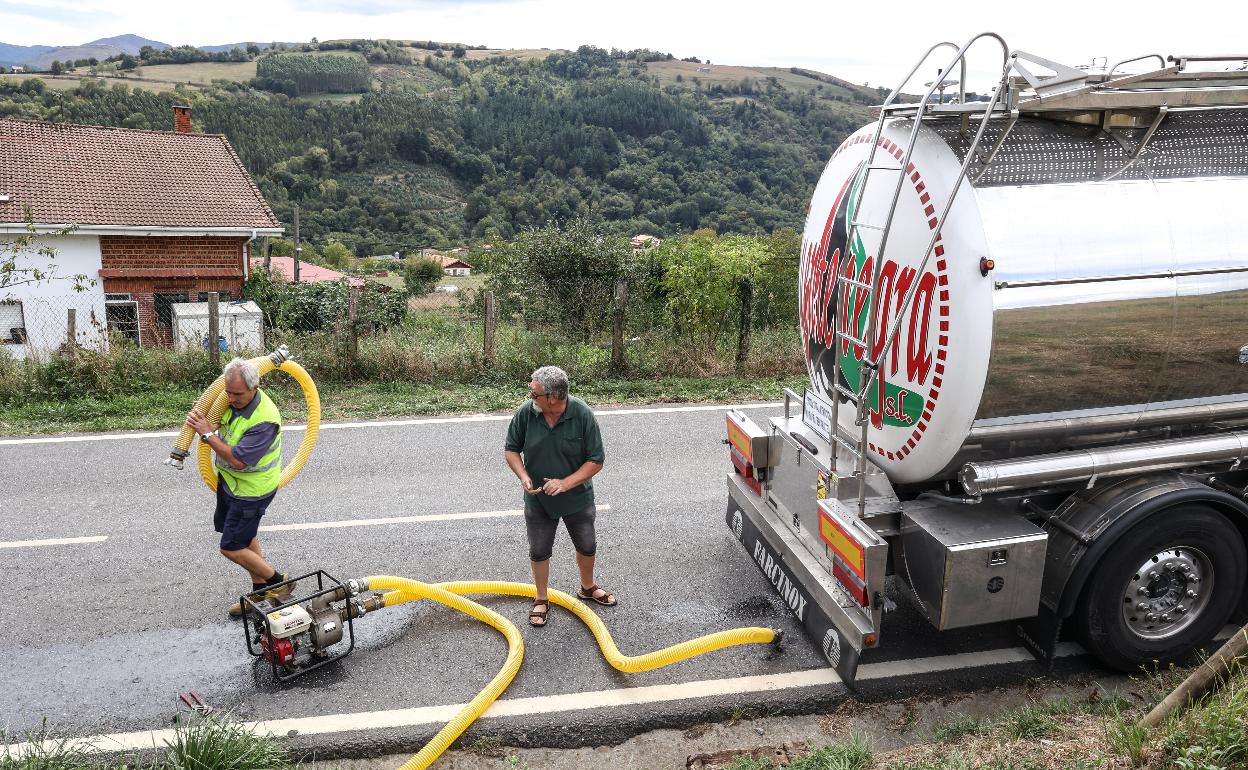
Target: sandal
<point x="537" y="618"/>
<point x="606" y="600"/>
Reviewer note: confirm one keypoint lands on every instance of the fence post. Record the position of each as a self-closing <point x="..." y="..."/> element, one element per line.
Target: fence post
<point x="214" y="330"/>
<point x="71" y="331"/>
<point x="617" y="328"/>
<point x="490" y="321"/>
<point x="353" y="321"/>
<point x="747" y="314"/>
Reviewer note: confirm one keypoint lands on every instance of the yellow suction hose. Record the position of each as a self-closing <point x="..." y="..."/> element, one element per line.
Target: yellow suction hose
<point x="212" y="402"/>
<point x="405" y="590"/>
<point x="401" y="590"/>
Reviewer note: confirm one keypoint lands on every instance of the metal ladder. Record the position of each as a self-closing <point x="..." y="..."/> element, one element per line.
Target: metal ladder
<point x="869" y="368"/>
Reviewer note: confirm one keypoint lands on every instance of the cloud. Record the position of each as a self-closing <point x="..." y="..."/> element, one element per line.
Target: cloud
<point x="389" y="7"/>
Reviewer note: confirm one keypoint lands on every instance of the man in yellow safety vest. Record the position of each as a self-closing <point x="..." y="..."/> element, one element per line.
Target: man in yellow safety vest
<point x="248" y="447"/>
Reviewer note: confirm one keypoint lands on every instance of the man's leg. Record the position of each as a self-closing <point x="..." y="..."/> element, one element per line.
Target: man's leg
<point x="540" y="531"/>
<point x="250" y="559"/>
<point x="584" y="539"/>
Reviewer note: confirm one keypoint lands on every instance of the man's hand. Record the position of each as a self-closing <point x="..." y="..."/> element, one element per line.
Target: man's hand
<point x="526" y="484"/>
<point x="554" y="487"/>
<point x="199" y="423"/>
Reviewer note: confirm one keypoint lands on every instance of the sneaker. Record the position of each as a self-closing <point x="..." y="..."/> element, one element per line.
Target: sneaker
<point x="281" y="595"/>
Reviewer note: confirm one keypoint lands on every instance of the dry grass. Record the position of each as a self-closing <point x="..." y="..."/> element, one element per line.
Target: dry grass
<point x="510" y="53"/>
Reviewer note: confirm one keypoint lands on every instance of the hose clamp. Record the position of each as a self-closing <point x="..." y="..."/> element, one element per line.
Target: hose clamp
<point x="280" y="355"/>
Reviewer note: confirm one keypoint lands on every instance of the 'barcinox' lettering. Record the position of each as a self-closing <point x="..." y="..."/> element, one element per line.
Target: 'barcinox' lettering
<point x="791" y="594"/>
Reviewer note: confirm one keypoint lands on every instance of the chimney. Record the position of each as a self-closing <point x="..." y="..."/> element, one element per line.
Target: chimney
<point x="181" y="119"/>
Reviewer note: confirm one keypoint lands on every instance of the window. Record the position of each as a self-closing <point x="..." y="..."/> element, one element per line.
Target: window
<point x="122" y="317"/>
<point x="164" y="308"/>
<point x="12" y="322"/>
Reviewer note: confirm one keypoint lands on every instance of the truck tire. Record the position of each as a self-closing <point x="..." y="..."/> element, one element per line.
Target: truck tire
<point x="1164" y="590"/>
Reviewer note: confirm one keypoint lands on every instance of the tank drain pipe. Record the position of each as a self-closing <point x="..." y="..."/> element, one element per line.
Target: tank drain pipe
<point x="950" y="499"/>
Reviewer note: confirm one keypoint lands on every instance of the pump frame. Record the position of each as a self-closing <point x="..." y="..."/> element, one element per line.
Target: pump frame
<point x="255" y="612"/>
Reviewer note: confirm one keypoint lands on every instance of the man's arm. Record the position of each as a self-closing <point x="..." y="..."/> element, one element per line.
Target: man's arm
<point x="582" y="474"/>
<point x="251" y="447"/>
<point x="516" y="464"/>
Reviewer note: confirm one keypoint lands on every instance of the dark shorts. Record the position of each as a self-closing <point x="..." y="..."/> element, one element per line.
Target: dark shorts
<point x="541" y="531"/>
<point x="237" y="520"/>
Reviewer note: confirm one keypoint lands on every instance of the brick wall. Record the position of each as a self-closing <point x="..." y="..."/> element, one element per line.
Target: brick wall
<point x="146" y="266"/>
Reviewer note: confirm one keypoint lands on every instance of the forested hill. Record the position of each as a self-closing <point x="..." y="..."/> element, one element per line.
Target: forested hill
<point x="440" y="150"/>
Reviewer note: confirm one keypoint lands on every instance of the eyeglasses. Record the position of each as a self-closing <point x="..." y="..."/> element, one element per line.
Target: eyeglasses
<point x="537" y="395"/>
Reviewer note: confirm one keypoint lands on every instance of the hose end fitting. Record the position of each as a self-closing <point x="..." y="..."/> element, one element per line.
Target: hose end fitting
<point x="281" y="354"/>
<point x="176" y="457"/>
<point x="779" y="637"/>
<point x="357" y="585"/>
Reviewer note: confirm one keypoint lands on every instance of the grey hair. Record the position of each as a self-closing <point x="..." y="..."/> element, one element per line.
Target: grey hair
<point x="553" y="381"/>
<point x="245" y="369"/>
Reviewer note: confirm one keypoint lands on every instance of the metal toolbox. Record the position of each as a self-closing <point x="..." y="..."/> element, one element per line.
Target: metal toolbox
<point x="971" y="564"/>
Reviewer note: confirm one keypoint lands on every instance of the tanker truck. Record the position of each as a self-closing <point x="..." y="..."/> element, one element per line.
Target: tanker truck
<point x="1025" y="325"/>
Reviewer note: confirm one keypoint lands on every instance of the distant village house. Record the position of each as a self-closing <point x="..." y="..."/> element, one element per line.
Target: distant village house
<point x="308" y="272"/>
<point x="162" y="217"/>
<point x="644" y="241"/>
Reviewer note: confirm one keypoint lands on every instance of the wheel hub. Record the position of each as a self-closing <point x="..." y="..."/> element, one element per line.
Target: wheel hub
<point x="1167" y="592"/>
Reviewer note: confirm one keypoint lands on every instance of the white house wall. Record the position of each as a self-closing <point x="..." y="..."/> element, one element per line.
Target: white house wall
<point x="45" y="305"/>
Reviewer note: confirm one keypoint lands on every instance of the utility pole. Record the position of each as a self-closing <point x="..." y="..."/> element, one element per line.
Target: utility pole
<point x="298" y="248"/>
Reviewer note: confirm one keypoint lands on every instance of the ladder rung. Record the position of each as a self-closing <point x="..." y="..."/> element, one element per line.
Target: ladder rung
<point x="854" y="282"/>
<point x="883" y="168"/>
<point x="857" y="342"/>
<point x="847" y="393"/>
<point x="867" y="225"/>
<point x="852" y="449"/>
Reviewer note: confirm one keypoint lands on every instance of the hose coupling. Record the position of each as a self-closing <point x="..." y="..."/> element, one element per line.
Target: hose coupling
<point x="175" y="459"/>
<point x="281" y="354"/>
<point x="357" y="585"/>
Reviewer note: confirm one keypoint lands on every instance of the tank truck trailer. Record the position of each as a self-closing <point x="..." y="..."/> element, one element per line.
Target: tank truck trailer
<point x="1025" y="324"/>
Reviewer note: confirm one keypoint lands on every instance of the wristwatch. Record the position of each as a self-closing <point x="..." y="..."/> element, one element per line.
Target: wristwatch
<point x="204" y="437"/>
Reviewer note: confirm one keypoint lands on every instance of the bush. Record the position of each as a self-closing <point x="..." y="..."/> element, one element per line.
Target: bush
<point x="317" y="306"/>
<point x="421" y="275"/>
<point x="563" y="275"/>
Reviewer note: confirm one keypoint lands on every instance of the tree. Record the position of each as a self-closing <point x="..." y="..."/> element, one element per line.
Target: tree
<point x="421" y="275"/>
<point x="57" y="68"/>
<point x="28" y="259"/>
<point x="335" y="254"/>
<point x="565" y="275"/>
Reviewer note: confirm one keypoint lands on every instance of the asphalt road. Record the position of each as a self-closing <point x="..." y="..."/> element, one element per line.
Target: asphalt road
<point x="98" y="637"/>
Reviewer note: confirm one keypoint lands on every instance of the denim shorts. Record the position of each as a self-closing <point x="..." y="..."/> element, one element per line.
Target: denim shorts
<point x="541" y="532"/>
<point x="237" y="520"/>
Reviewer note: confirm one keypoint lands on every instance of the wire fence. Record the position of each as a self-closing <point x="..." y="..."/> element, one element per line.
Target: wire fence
<point x="460" y="330"/>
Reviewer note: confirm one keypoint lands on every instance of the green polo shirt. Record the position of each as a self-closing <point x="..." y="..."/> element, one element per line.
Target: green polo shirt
<point x="556" y="453"/>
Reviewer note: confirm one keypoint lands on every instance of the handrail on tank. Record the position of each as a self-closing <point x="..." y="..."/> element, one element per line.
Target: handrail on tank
<point x="1110" y="72"/>
<point x="923" y="60"/>
<point x="890" y="337"/>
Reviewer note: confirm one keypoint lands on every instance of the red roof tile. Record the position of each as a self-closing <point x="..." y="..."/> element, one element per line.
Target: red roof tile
<point x="308" y="272"/>
<point x="89" y="175"/>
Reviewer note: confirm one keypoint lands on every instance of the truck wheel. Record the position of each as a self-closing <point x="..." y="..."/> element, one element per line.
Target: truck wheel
<point x="1164" y="590"/>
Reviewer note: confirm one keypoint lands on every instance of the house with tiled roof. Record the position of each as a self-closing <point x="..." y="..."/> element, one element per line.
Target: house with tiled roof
<point x="308" y="272"/>
<point x="159" y="217"/>
<point x="454" y="265"/>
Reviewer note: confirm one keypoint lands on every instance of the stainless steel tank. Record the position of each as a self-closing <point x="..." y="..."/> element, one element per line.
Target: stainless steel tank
<point x="1117" y="287"/>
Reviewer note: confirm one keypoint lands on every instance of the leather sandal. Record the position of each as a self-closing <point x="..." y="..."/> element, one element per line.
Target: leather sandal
<point x="606" y="600"/>
<point x="537" y="618"/>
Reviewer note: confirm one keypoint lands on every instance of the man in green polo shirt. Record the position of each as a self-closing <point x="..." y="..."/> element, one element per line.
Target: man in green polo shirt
<point x="554" y="448"/>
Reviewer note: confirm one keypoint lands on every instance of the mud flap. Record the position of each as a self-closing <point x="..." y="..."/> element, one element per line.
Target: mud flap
<point x="1040" y="635"/>
<point x="769" y="558"/>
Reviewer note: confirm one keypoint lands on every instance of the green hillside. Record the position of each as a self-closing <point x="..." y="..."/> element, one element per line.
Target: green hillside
<point x="448" y="144"/>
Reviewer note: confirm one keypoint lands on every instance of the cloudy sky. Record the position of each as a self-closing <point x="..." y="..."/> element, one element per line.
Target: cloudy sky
<point x="871" y="42"/>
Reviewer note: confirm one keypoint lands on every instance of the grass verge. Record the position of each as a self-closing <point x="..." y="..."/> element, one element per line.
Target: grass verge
<point x="163" y="408"/>
<point x="1098" y="732"/>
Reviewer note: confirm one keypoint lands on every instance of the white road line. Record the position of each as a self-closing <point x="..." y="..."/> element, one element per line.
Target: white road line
<point x="385" y="423"/>
<point x="53" y="541"/>
<point x="594" y="699"/>
<point x="401" y="520"/>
